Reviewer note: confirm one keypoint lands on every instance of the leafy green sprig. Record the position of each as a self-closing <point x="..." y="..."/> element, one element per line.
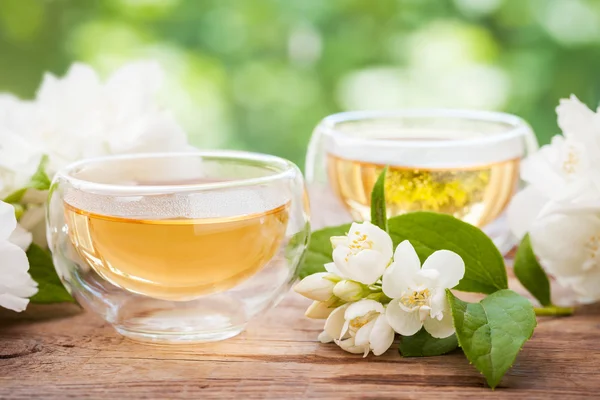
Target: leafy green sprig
<point x="491" y="332"/>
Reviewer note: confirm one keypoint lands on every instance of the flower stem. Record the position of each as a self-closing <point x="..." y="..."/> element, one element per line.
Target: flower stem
<point x="554" y="311"/>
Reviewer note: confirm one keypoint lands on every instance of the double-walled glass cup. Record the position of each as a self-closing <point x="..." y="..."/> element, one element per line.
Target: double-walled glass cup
<point x="462" y="163"/>
<point x="184" y="247"/>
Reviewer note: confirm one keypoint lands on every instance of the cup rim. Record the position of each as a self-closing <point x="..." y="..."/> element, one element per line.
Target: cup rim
<point x="518" y="127"/>
<point x="282" y="168"/>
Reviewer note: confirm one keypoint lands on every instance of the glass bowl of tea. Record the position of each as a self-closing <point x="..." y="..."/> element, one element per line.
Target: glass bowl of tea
<point x="459" y="162"/>
<point x="178" y="248"/>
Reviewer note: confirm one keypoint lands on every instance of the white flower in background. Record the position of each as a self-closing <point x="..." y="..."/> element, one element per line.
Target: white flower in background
<point x="18" y="157"/>
<point x="317" y="286"/>
<point x="362" y="255"/>
<point x="566" y="170"/>
<point x="419" y="294"/>
<point x="567" y="243"/>
<point x="359" y="328"/>
<point x="16" y="285"/>
<point x="78" y="116"/>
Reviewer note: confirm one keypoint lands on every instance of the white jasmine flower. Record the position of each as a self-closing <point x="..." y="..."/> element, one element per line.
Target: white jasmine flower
<point x="78" y="116"/>
<point x="567" y="243"/>
<point x="566" y="170"/>
<point x="362" y="255"/>
<point x="16" y="285"/>
<point x="359" y="328"/>
<point x="317" y="286"/>
<point x="419" y="294"/>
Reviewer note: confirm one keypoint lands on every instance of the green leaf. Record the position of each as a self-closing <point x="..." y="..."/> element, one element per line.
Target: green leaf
<point x="485" y="271"/>
<point x="493" y="331"/>
<point x="378" y="205"/>
<point x="15" y="197"/>
<point x="530" y="273"/>
<point x="39" y="180"/>
<point x="422" y="344"/>
<point x="319" y="250"/>
<point x="41" y="268"/>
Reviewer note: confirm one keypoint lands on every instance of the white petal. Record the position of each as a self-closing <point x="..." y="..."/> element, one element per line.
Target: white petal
<point x="366" y="267"/>
<point x="587" y="287"/>
<point x="399" y="275"/>
<point x="559" y="241"/>
<point x="364" y="332"/>
<point x="576" y="120"/>
<point x="361" y="308"/>
<point x="405" y="323"/>
<point x="349" y="346"/>
<point x="338" y="241"/>
<point x="333" y="269"/>
<point x="8" y="221"/>
<point x="318" y="310"/>
<point x="450" y="266"/>
<point x="324" y="337"/>
<point x="424" y="312"/>
<point x="580" y="207"/>
<point x="341" y="256"/>
<point x="316" y="287"/>
<point x="523" y="210"/>
<point x="382" y="336"/>
<point x="12" y="302"/>
<point x="34" y="220"/>
<point x="21" y="237"/>
<point x="16" y="283"/>
<point x="542" y="169"/>
<point x="13" y="260"/>
<point x="24" y="287"/>
<point x="425" y="279"/>
<point x="335" y="322"/>
<point x="440" y="328"/>
<point x="438" y="302"/>
<point x="382" y="242"/>
<point x="406" y="253"/>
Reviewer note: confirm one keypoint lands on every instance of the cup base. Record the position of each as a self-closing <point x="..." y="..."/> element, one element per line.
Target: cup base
<point x="175" y="338"/>
<point x="212" y="318"/>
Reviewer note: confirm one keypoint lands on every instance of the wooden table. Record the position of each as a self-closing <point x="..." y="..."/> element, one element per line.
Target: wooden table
<point x="60" y="352"/>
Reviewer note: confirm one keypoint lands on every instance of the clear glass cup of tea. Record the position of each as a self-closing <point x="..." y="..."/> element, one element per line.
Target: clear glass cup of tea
<point x="178" y="248"/>
<point x="462" y="163"/>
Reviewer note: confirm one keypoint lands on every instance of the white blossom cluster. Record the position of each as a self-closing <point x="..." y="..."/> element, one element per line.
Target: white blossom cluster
<point x="370" y="291"/>
<point x="560" y="207"/>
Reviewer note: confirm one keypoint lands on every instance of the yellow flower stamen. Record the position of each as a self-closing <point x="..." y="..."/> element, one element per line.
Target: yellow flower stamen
<point x="416" y="298"/>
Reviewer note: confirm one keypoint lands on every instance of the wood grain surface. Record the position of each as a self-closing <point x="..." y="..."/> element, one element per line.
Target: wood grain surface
<point x="61" y="352"/>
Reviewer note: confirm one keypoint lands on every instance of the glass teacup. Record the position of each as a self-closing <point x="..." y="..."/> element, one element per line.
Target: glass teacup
<point x="462" y="163"/>
<point x="184" y="247"/>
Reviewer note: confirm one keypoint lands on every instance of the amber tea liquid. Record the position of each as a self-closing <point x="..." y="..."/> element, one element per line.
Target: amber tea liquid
<point x="177" y="259"/>
<point x="477" y="195"/>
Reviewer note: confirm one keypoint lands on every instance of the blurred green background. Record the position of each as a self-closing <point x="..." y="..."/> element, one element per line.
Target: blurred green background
<point x="260" y="74"/>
